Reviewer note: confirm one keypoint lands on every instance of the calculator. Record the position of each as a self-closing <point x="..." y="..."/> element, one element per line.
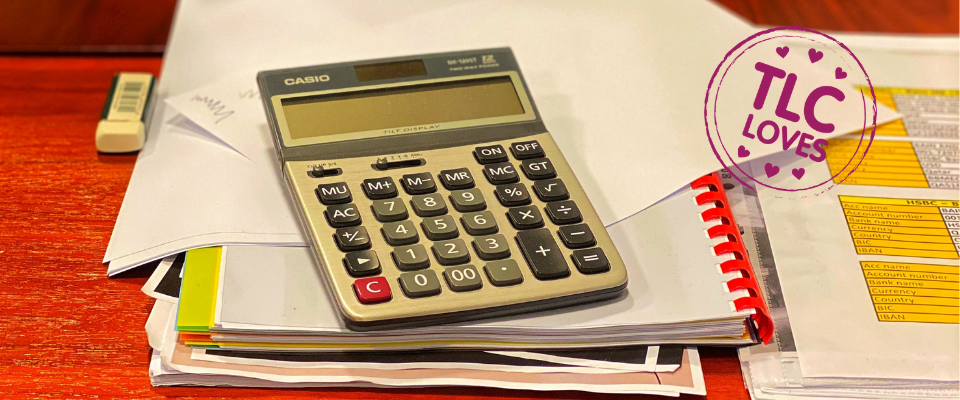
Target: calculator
<point x="431" y="191"/>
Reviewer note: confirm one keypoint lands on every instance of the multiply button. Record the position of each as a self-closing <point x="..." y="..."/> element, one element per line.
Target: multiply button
<point x="501" y="173"/>
<point x="540" y="168"/>
<point x="372" y="290"/>
<point x="577" y="236"/>
<point x="563" y="212"/>
<point x="527" y="217"/>
<point x="350" y="239"/>
<point x="334" y="193"/>
<point x="490" y="154"/>
<point x="456" y="179"/>
<point x="551" y="190"/>
<point x="341" y="215"/>
<point x="421" y="183"/>
<point x="543" y="254"/>
<point x="379" y="188"/>
<point x="525" y="150"/>
<point x="362" y="263"/>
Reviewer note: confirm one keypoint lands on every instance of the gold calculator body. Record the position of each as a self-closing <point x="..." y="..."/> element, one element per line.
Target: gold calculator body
<point x="431" y="191"/>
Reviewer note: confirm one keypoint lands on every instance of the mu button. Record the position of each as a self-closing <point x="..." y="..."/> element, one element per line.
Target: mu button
<point x="372" y="290"/>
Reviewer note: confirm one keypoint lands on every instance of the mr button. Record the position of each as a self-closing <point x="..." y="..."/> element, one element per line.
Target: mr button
<point x="372" y="290"/>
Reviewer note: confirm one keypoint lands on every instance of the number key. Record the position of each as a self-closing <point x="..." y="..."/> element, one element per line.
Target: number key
<point x="467" y="200"/>
<point x="400" y="233"/>
<point x="440" y="228"/>
<point x="420" y="284"/>
<point x="389" y="210"/>
<point x="411" y="258"/>
<point x="451" y="252"/>
<point x="491" y="247"/>
<point x="462" y="278"/>
<point x="481" y="223"/>
<point x="429" y="205"/>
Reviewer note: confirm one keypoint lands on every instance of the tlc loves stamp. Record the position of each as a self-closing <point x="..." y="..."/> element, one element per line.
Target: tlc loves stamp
<point x="786" y="91"/>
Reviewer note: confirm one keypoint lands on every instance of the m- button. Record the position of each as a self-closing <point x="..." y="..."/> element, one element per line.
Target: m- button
<point x="490" y="154"/>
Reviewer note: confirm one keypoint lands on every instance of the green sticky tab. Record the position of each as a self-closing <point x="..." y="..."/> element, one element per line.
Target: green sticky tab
<point x="198" y="291"/>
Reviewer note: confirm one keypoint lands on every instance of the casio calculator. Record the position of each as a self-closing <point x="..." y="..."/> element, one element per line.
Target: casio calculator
<point x="431" y="191"/>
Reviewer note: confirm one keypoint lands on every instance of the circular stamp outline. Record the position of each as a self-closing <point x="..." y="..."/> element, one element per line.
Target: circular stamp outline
<point x="741" y="44"/>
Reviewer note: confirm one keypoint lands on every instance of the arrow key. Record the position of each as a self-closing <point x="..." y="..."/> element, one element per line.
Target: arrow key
<point x="362" y="263"/>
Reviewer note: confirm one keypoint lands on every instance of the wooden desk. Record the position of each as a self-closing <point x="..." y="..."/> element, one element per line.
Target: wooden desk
<point x="66" y="329"/>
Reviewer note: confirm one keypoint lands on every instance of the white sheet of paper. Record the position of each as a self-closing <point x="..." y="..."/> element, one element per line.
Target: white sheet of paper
<point x="620" y="85"/>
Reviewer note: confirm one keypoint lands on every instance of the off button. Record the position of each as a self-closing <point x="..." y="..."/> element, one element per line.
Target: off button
<point x="525" y="150"/>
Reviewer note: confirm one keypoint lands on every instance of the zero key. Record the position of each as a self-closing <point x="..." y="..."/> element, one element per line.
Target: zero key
<point x="543" y="254"/>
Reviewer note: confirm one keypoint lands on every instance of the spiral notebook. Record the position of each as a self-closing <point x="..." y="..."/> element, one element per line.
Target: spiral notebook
<point x="690" y="281"/>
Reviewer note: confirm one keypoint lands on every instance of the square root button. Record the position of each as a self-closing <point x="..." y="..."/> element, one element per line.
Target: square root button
<point x="372" y="290"/>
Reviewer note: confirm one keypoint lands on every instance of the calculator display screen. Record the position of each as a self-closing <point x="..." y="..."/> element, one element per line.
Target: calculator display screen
<point x="378" y="109"/>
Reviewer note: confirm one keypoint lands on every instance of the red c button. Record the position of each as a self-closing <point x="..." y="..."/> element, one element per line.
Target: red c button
<point x="372" y="290"/>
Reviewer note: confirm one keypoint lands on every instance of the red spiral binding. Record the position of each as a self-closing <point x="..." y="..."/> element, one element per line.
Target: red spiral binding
<point x="734" y="246"/>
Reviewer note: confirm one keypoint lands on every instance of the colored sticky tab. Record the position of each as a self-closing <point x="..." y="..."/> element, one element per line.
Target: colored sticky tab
<point x="198" y="292"/>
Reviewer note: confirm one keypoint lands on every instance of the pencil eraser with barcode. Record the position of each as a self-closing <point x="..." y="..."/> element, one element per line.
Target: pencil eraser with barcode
<point x="121" y="127"/>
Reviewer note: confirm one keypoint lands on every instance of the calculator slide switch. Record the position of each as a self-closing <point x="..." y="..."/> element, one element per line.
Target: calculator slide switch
<point x="372" y="290"/>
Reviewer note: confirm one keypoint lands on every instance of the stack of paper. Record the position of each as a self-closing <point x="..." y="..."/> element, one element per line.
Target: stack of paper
<point x="661" y="370"/>
<point x="863" y="279"/>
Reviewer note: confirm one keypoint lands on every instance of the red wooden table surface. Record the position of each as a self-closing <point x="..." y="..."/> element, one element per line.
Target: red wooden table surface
<point x="65" y="329"/>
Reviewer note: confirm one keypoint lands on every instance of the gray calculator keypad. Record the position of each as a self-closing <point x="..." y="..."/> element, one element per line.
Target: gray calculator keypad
<point x="420" y="283"/>
<point x="462" y="278"/>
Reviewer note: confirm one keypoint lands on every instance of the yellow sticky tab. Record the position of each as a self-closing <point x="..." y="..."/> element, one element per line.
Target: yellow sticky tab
<point x="198" y="292"/>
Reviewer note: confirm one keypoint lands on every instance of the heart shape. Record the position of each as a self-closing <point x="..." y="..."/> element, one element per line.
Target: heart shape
<point x="782" y="51"/>
<point x="771" y="170"/>
<point x="839" y="73"/>
<point x="814" y="55"/>
<point x="798" y="173"/>
<point x="743" y="152"/>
